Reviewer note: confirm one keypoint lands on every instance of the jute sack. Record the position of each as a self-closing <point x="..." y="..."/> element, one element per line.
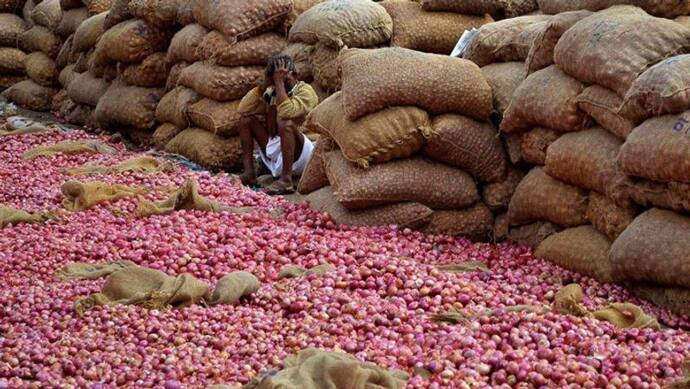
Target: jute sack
<point x="663" y="8"/>
<point x="662" y="89"/>
<point x="82" y="115"/>
<point x="221" y="83"/>
<point x="173" y="106"/>
<point x="87" y="89"/>
<point x="71" y="20"/>
<point x="658" y="149"/>
<point x="676" y="300"/>
<point x="539" y="197"/>
<point x="85" y="61"/>
<point x="79" y="196"/>
<point x="512" y="144"/>
<point x="467" y="7"/>
<point x="151" y="72"/>
<point x="253" y="51"/>
<point x="88" y="32"/>
<point x="587" y="159"/>
<point x="301" y="54"/>
<point x="69" y="148"/>
<point x="131" y="41"/>
<point x="142" y="165"/>
<point x="30" y="95"/>
<point x="533" y="234"/>
<point x="241" y="19"/>
<point x="314" y="175"/>
<point x="469" y="145"/>
<point x="534" y="143"/>
<point x="431" y="32"/>
<point x="64" y="57"/>
<point x="12" y="216"/>
<point x="607" y="217"/>
<point x="174" y="75"/>
<point x="39" y="38"/>
<point x="185" y="14"/>
<point x="7" y="81"/>
<point x="497" y="196"/>
<point x="504" y="78"/>
<point x="613" y="47"/>
<point x="41" y="69"/>
<point x="338" y="23"/>
<point x="47" y="13"/>
<point x="474" y="223"/>
<point x="404" y="215"/>
<point x="234" y="286"/>
<point x="164" y="134"/>
<point x="294" y="271"/>
<point x="70" y="4"/>
<point x="124" y="105"/>
<point x="98" y="6"/>
<point x="324" y="65"/>
<point x="547" y="99"/>
<point x="156" y="13"/>
<point x="414" y="179"/>
<point x="26" y="9"/>
<point x="501" y="228"/>
<point x="298" y="8"/>
<point x="581" y="249"/>
<point x="11" y="27"/>
<point x="603" y="106"/>
<point x="220" y="118"/>
<point x="183" y="46"/>
<point x="371" y="82"/>
<point x="392" y="133"/>
<point x="667" y="195"/>
<point x="207" y="149"/>
<point x="67" y="75"/>
<point x="654" y="248"/>
<point x="10" y="6"/>
<point x="12" y="61"/>
<point x="119" y="12"/>
<point x="541" y="53"/>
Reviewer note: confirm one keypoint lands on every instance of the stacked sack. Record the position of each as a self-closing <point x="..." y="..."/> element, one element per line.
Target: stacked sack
<point x="403" y="143"/>
<point x="12" y="26"/>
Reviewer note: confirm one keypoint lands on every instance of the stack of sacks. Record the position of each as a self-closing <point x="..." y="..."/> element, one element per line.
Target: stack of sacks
<point x="227" y="51"/>
<point x="665" y="9"/>
<point x="498" y="9"/>
<point x="12" y="26"/>
<point x="383" y="159"/>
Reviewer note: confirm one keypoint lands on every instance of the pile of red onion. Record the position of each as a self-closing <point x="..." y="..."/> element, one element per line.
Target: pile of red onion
<point x="377" y="304"/>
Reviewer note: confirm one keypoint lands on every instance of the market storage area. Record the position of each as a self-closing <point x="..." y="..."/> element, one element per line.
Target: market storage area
<point x="499" y="196"/>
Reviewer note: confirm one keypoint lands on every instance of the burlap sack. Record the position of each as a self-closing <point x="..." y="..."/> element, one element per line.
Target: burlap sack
<point x="221" y="83"/>
<point x="156" y="13"/>
<point x="151" y="72"/>
<point x="41" y="69"/>
<point x="533" y="144"/>
<point x="222" y="119"/>
<point x="88" y="32"/>
<point x="432" y="32"/>
<point x="173" y="106"/>
<point x="663" y="8"/>
<point x="293" y="271"/>
<point x="12" y="61"/>
<point x="607" y="217"/>
<point x="501" y="228"/>
<point x="69" y="148"/>
<point x="19" y="125"/>
<point x="415" y="179"/>
<point x="541" y="53"/>
<point x="301" y="54"/>
<point x="314" y="175"/>
<point x="67" y="75"/>
<point x="547" y="99"/>
<point x="47" y="13"/>
<point x="404" y="215"/>
<point x="84" y="62"/>
<point x="65" y="54"/>
<point x="142" y="165"/>
<point x="475" y="223"/>
<point x="39" y="38"/>
<point x="207" y="149"/>
<point x="497" y="196"/>
<point x="241" y="19"/>
<point x="392" y="133"/>
<point x="183" y="46"/>
<point x="131" y="41"/>
<point x="253" y="51"/>
<point x="25" y="9"/>
<point x="504" y="78"/>
<point x="87" y="89"/>
<point x="470" y="145"/>
<point x="88" y="271"/>
<point x="533" y="234"/>
<point x="539" y="197"/>
<point x="324" y="65"/>
<point x="12" y="216"/>
<point x="676" y="300"/>
<point x="338" y="23"/>
<point x="667" y="195"/>
<point x="185" y="14"/>
<point x="614" y="46"/>
<point x="79" y="196"/>
<point x="174" y="75"/>
<point x="662" y="89"/>
<point x="7" y="81"/>
<point x="234" y="286"/>
<point x="99" y="6"/>
<point x="11" y="27"/>
<point x="30" y="95"/>
<point x="70" y="4"/>
<point x="10" y="6"/>
<point x="71" y="20"/>
<point x="603" y="106"/>
<point x="119" y="12"/>
<point x="371" y="82"/>
<point x="467" y="7"/>
<point x="130" y="106"/>
<point x="82" y="115"/>
<point x="298" y="8"/>
<point x="684" y="20"/>
<point x="164" y="134"/>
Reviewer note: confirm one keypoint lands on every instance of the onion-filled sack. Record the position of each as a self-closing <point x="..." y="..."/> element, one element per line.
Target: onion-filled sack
<point x="474" y="223"/>
<point x="131" y="42"/>
<point x="47" y="13"/>
<point x="156" y="13"/>
<point x="324" y="65"/>
<point x="151" y="72"/>
<point x="613" y="47"/>
<point x="314" y="176"/>
<point x="65" y="56"/>
<point x="663" y="8"/>
<point x="414" y="179"/>
<point x="431" y="32"/>
<point x="539" y="197"/>
<point x="174" y="75"/>
<point x="372" y="81"/>
<point x="99" y="6"/>
<point x="39" y="38"/>
<point x="253" y="51"/>
<point x="541" y="53"/>
<point x="667" y="195"/>
<point x="581" y="249"/>
<point x="71" y="20"/>
<point x="124" y="105"/>
<point x="7" y="81"/>
<point x="30" y="95"/>
<point x="241" y="19"/>
<point x="220" y="118"/>
<point x="87" y="89"/>
<point x="404" y="215"/>
<point x="183" y="45"/>
<point x="532" y="234"/>
<point x="119" y="12"/>
<point x="164" y="134"/>
<point x="41" y="69"/>
<point x="469" y="7"/>
<point x="607" y="217"/>
<point x="67" y="75"/>
<point x="300" y="54"/>
<point x="392" y="133"/>
<point x="221" y="83"/>
<point x="603" y="106"/>
<point x="338" y="23"/>
<point x="207" y="149"/>
<point x="173" y="106"/>
<point x="654" y="249"/>
<point x="676" y="300"/>
<point x="534" y="143"/>
<point x="12" y="61"/>
<point x="497" y="196"/>
<point x="504" y="78"/>
<point x="11" y="28"/>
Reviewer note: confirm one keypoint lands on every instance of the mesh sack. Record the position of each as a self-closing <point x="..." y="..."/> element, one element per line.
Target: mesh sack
<point x="517" y="8"/>
<point x="298" y="8"/>
<point x="474" y="223"/>
<point x="603" y="106"/>
<point x="47" y="13"/>
<point x="26" y="11"/>
<point x="470" y="145"/>
<point x="221" y="83"/>
<point x="414" y="179"/>
<point x="467" y="7"/>
<point x="301" y="54"/>
<point x="532" y="234"/>
<point x="173" y="106"/>
<point x="174" y="75"/>
<point x="65" y="55"/>
<point x="185" y="16"/>
<point x="404" y="215"/>
<point x="164" y="134"/>
<point x="87" y="89"/>
<point x="501" y="228"/>
<point x="156" y="13"/>
<point x="539" y="197"/>
<point x="431" y="32"/>
<point x="12" y="61"/>
<point x="504" y="78"/>
<point x="371" y="82"/>
<point x="533" y="144"/>
<point x="497" y="196"/>
<point x="241" y="19"/>
<point x="67" y="75"/>
<point x="99" y="6"/>
<point x="7" y="81"/>
<point x="151" y="72"/>
<point x="338" y="23"/>
<point x="324" y="65"/>
<point x="530" y="108"/>
<point x="129" y="106"/>
<point x="676" y="300"/>
<point x="41" y="69"/>
<point x="607" y="217"/>
<point x="314" y="175"/>
<point x="184" y="44"/>
<point x="11" y="28"/>
<point x="513" y="146"/>
<point x="30" y="95"/>
<point x="119" y="12"/>
<point x="39" y="38"/>
<point x="131" y="42"/>
<point x="253" y="51"/>
<point x="71" y="20"/>
<point x="207" y="149"/>
<point x="674" y="196"/>
<point x="540" y="54"/>
<point x="663" y="8"/>
<point x="220" y="118"/>
<point x="581" y="249"/>
<point x="87" y="34"/>
<point x="392" y="133"/>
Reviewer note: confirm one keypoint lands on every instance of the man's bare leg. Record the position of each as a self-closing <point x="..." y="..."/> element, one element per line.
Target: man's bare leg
<point x="291" y="145"/>
<point x="251" y="129"/>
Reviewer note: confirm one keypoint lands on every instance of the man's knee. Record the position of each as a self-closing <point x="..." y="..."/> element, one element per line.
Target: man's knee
<point x="287" y="126"/>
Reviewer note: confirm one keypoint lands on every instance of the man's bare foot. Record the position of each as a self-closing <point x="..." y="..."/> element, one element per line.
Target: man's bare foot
<point x="248" y="179"/>
<point x="280" y="187"/>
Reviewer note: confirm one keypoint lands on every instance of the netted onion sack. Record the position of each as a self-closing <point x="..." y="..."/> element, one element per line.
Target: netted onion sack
<point x="131" y="42"/>
<point x="71" y="20"/>
<point x="41" y="69"/>
<point x="39" y="38"/>
<point x="221" y="83"/>
<point x="11" y="28"/>
<point x="241" y="19"/>
<point x="207" y="149"/>
<point x="98" y="6"/>
<point x="67" y="75"/>
<point x="119" y="12"/>
<point x="603" y="105"/>
<point x="173" y="106"/>
<point x="504" y="78"/>
<point x="151" y="72"/>
<point x="469" y="7"/>
<point x="607" y="217"/>
<point x="12" y="61"/>
<point x="497" y="196"/>
<point x="31" y="95"/>
<point x="220" y="118"/>
<point x="338" y="23"/>
<point x="324" y="65"/>
<point x="534" y="143"/>
<point x="253" y="51"/>
<point x="541" y="53"/>
<point x="475" y="223"/>
<point x="156" y="13"/>
<point x="164" y="134"/>
<point x="88" y="32"/>
<point x="667" y="195"/>
<point x="124" y="105"/>
<point x="87" y="89"/>
<point x="47" y="13"/>
<point x="663" y="8"/>
<point x="183" y="45"/>
<point x="372" y="81"/>
<point x="314" y="176"/>
<point x="673" y="299"/>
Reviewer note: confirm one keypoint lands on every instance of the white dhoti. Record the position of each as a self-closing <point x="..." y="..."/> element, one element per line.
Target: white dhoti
<point x="273" y="158"/>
